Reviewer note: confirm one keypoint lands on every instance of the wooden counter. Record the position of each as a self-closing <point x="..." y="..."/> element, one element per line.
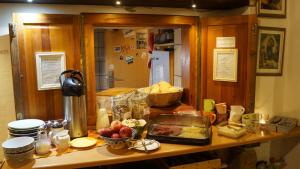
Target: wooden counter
<point x="104" y="155"/>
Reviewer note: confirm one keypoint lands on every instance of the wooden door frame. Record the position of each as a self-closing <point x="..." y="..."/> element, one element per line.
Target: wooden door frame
<point x="251" y="22"/>
<point x="190" y="70"/>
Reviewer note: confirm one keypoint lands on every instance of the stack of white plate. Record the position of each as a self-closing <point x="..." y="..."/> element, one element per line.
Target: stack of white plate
<point x="18" y="149"/>
<point x="25" y="128"/>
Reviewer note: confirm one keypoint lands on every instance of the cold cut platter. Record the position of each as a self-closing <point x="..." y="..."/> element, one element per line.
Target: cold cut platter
<point x="180" y="129"/>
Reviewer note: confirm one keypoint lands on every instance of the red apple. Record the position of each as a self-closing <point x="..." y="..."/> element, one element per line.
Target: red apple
<point x="125" y="132"/>
<point x="105" y="132"/>
<point x="115" y="136"/>
<point x="116" y="126"/>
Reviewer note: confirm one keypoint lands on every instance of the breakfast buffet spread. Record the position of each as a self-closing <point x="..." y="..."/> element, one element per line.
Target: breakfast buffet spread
<point x="131" y="128"/>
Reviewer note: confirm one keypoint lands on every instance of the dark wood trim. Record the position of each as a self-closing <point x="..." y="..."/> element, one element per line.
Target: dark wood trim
<point x="251" y="63"/>
<point x="38" y="19"/>
<point x="138" y="20"/>
<point x="132" y="4"/>
<point x="14" y="50"/>
<point x="224" y="20"/>
<point x="190" y="70"/>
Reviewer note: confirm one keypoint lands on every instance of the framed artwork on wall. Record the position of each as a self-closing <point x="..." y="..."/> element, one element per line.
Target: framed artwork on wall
<point x="49" y="66"/>
<point x="270" y="51"/>
<point x="225" y="63"/>
<point x="272" y="8"/>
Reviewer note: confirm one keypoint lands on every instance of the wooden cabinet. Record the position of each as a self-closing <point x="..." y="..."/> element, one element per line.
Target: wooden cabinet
<point x="243" y="28"/>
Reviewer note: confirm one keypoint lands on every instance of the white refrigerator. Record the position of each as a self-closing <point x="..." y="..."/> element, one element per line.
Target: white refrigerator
<point x="160" y="67"/>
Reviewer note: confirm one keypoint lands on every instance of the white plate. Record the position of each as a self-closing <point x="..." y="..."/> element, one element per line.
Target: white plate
<point x="20" y="135"/>
<point x="83" y="142"/>
<point x="150" y="146"/>
<point x="25" y="124"/>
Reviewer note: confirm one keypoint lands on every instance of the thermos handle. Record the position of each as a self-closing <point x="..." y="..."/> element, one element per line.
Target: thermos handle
<point x="63" y="73"/>
<point x="73" y="74"/>
<point x="76" y="72"/>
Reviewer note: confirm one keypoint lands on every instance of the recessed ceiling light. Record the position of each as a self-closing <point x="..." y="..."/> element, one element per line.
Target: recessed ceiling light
<point x="118" y="2"/>
<point x="29" y="0"/>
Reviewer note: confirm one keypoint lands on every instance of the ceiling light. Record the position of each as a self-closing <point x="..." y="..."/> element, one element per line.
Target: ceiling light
<point x="118" y="2"/>
<point x="29" y="0"/>
<point x="194" y="6"/>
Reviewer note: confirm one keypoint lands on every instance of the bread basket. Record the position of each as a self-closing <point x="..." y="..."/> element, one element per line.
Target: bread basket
<point x="165" y="99"/>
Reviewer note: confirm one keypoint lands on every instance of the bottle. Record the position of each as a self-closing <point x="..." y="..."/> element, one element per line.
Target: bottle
<point x="102" y="119"/>
<point x="111" y="76"/>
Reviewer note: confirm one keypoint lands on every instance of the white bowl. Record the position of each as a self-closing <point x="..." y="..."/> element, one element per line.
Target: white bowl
<point x="20" y="157"/>
<point x="18" y="145"/>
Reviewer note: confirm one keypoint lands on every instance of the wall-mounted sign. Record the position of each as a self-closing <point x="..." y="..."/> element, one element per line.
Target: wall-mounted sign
<point x="225" y="42"/>
<point x="49" y="65"/>
<point x="225" y="65"/>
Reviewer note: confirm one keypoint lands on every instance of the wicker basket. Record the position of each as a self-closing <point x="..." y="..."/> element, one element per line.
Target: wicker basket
<point x="164" y="99"/>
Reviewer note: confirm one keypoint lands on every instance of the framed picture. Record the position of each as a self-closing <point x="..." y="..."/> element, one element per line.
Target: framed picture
<point x="225" y="63"/>
<point x="270" y="51"/>
<point x="49" y="66"/>
<point x="272" y="8"/>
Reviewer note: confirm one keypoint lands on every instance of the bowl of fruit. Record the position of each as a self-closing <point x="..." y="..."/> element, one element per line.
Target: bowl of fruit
<point x="117" y="136"/>
<point x="137" y="125"/>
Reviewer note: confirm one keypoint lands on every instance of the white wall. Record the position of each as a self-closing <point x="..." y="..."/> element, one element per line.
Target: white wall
<point x="280" y="95"/>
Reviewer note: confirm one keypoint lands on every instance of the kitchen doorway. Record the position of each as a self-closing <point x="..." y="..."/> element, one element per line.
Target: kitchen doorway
<point x="189" y="54"/>
<point x="151" y="54"/>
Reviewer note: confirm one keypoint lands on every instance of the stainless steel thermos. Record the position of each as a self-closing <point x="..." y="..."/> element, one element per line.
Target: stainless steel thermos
<point x="74" y="103"/>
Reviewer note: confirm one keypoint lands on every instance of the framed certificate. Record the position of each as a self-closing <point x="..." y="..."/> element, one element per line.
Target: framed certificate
<point x="49" y="66"/>
<point x="225" y="65"/>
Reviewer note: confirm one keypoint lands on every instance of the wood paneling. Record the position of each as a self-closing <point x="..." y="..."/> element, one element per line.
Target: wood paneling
<point x="138" y="20"/>
<point x="44" y="33"/>
<point x="241" y="92"/>
<point x="89" y="69"/>
<point x="190" y="49"/>
<point x="201" y="4"/>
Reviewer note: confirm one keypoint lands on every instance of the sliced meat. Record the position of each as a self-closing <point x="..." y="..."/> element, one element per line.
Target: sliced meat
<point x="166" y="130"/>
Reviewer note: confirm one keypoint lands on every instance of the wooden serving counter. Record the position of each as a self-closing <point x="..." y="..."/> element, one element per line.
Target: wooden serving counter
<point x="105" y="156"/>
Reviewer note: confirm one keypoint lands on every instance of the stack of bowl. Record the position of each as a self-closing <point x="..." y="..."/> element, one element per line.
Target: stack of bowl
<point x="25" y="128"/>
<point x="18" y="149"/>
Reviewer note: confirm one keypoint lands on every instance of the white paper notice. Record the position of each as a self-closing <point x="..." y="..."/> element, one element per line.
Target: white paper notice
<point x="50" y="69"/>
<point x="225" y="65"/>
<point x="225" y="42"/>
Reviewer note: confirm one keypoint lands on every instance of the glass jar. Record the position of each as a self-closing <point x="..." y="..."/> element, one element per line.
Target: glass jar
<point x="120" y="107"/>
<point x="139" y="106"/>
